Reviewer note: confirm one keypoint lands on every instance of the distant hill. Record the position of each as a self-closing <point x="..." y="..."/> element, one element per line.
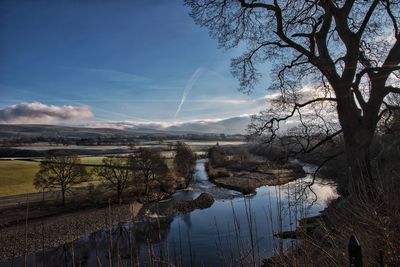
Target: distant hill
<point x="53" y="131"/>
<point x="236" y="125"/>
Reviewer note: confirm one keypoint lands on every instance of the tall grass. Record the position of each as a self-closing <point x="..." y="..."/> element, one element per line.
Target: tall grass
<point x="148" y="244"/>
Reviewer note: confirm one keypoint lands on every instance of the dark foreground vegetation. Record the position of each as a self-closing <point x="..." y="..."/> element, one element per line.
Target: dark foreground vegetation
<point x="337" y="75"/>
<point x="373" y="220"/>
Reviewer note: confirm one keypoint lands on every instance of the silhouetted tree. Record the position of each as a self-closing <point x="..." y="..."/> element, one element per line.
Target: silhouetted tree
<point x="115" y="172"/>
<point x="346" y="53"/>
<point x="60" y="171"/>
<point x="149" y="166"/>
<point x="184" y="161"/>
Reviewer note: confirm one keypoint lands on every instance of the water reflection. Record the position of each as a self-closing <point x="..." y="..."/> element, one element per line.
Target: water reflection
<point x="232" y="231"/>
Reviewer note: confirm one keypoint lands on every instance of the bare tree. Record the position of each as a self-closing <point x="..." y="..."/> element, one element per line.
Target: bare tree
<point x="115" y="172"/>
<point x="148" y="165"/>
<point x="60" y="171"/>
<point x="347" y="52"/>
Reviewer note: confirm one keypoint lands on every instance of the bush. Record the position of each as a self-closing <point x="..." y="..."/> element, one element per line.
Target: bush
<point x="184" y="161"/>
<point x="272" y="152"/>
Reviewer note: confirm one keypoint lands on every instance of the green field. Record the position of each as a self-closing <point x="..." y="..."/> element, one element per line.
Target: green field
<point x="16" y="177"/>
<point x="91" y="160"/>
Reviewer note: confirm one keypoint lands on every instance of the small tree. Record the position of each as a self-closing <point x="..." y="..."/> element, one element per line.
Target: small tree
<point x="115" y="173"/>
<point x="242" y="155"/>
<point x="184" y="161"/>
<point x="216" y="156"/>
<point x="148" y="165"/>
<point x="60" y="171"/>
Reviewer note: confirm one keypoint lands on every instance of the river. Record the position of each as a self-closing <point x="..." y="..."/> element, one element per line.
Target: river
<point x="236" y="230"/>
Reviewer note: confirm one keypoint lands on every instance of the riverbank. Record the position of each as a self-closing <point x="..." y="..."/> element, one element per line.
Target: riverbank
<point x="54" y="231"/>
<point x="57" y="230"/>
<point x="256" y="174"/>
<point x="189" y="217"/>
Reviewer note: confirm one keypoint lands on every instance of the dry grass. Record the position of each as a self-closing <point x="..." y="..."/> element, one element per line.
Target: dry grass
<point x="16" y="177"/>
<point x="374" y="222"/>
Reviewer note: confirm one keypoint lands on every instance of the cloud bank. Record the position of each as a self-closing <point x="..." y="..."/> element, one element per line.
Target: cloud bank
<point x="233" y="125"/>
<point x="39" y="113"/>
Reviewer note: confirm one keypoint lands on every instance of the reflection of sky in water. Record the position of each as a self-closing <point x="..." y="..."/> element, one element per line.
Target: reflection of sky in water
<point x="215" y="230"/>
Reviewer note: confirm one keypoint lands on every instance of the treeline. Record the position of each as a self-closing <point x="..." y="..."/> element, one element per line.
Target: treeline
<point x="28" y="153"/>
<point x="143" y="173"/>
<point x="113" y="140"/>
<point x="83" y="141"/>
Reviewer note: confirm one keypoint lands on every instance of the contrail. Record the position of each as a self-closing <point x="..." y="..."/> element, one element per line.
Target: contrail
<point x="187" y="89"/>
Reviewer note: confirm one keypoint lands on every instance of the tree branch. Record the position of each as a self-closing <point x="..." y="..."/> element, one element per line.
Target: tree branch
<point x="367" y="18"/>
<point x="386" y="4"/>
<point x="269" y="125"/>
<point x="391" y="89"/>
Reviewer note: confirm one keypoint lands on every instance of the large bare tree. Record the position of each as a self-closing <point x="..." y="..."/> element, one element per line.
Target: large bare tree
<point x="61" y="170"/>
<point x="346" y="52"/>
<point x="149" y="166"/>
<point x="115" y="172"/>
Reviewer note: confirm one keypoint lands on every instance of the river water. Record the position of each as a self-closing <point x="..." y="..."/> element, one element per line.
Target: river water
<point x="236" y="230"/>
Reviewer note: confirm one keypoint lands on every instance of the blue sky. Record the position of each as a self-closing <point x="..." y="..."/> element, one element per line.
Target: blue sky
<point x="123" y="60"/>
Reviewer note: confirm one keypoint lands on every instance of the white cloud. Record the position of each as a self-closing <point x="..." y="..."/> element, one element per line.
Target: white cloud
<point x="229" y="125"/>
<point x="39" y="113"/>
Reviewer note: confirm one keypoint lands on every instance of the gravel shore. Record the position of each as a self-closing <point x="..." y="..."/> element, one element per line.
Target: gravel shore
<point x="54" y="231"/>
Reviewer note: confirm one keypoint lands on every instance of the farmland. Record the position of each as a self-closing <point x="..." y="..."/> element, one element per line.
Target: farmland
<point x="17" y="175"/>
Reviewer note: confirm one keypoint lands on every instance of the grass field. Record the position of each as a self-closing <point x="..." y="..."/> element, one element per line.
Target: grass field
<point x="16" y="177"/>
<point x="91" y="160"/>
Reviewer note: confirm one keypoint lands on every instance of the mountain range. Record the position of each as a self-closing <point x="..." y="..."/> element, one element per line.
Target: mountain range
<point x="235" y="125"/>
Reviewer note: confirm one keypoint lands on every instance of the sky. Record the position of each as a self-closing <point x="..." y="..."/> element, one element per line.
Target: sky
<point x="74" y="62"/>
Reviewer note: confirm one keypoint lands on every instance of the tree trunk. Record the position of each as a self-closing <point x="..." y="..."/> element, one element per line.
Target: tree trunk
<point x="358" y="131"/>
<point x="146" y="189"/>
<point x="357" y="145"/>
<point x="119" y="193"/>
<point x="63" y="196"/>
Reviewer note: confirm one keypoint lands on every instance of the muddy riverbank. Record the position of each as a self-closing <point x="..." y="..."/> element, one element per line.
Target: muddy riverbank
<point x="54" y="231"/>
<point x="254" y="176"/>
<point x="156" y="229"/>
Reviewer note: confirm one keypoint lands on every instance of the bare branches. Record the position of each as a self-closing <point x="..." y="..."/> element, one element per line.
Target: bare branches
<point x="272" y="124"/>
<point x="323" y="141"/>
<point x="254" y="4"/>
<point x="386" y="3"/>
<point x="60" y="171"/>
<point x="391" y="89"/>
<point x="319" y="168"/>
<point x="348" y="43"/>
<point x="367" y="18"/>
